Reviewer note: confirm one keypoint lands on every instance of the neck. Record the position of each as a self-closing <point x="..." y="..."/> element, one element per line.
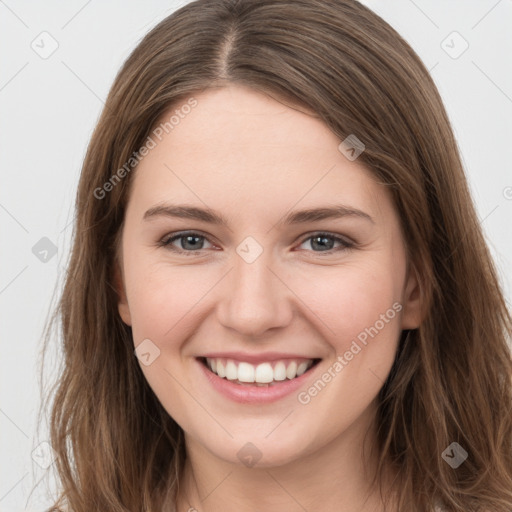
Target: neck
<point x="335" y="478"/>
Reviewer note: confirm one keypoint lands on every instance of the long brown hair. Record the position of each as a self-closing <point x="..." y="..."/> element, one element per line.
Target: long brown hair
<point x="117" y="448"/>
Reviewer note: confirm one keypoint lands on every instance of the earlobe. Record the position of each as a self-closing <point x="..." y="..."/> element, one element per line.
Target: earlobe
<point x="123" y="308"/>
<point x="413" y="314"/>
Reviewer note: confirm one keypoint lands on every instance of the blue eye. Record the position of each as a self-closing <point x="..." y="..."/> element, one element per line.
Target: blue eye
<point x="190" y="242"/>
<point x="193" y="242"/>
<point x="323" y="241"/>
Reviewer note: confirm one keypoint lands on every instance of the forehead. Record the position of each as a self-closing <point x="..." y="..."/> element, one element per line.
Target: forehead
<point x="240" y="146"/>
<point x="239" y="117"/>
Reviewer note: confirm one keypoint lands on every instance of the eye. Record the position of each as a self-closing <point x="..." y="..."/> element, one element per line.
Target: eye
<point x="190" y="242"/>
<point x="325" y="242"/>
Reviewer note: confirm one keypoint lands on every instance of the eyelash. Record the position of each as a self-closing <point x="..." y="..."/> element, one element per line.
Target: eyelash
<point x="167" y="241"/>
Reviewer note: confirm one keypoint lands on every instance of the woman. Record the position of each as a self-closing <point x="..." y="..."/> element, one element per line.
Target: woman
<point x="279" y="296"/>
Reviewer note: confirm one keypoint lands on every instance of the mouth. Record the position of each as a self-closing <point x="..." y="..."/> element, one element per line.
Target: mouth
<point x="264" y="374"/>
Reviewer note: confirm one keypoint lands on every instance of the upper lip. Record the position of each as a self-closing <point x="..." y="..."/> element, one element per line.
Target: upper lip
<point x="255" y="358"/>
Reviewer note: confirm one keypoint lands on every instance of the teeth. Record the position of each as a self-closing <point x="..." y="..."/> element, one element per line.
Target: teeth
<point x="261" y="374"/>
<point x="291" y="370"/>
<point x="280" y="371"/>
<point x="246" y="372"/>
<point x="301" y="369"/>
<point x="231" y="371"/>
<point x="264" y="373"/>
<point x="221" y="371"/>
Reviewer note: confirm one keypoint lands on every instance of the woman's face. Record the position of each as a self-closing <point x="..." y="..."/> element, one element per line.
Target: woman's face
<point x="271" y="289"/>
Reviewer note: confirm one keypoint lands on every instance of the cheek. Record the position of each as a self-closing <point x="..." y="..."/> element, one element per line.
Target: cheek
<point x="347" y="300"/>
<point x="163" y="299"/>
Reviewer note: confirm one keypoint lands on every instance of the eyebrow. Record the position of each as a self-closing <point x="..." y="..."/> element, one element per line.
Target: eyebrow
<point x="296" y="217"/>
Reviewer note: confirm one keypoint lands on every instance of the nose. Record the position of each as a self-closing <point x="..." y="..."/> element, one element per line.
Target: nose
<point x="254" y="298"/>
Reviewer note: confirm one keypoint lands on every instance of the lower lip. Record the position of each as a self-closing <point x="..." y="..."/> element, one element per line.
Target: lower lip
<point x="254" y="394"/>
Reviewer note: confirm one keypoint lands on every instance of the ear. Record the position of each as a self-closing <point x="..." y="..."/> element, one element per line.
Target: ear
<point x="124" y="309"/>
<point x="412" y="301"/>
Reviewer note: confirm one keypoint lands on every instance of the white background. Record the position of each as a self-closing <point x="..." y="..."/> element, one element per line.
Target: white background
<point x="49" y="108"/>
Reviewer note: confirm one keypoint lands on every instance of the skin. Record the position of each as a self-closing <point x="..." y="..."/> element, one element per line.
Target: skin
<point x="254" y="159"/>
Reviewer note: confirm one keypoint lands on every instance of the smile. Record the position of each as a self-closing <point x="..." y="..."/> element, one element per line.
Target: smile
<point x="265" y="379"/>
<point x="263" y="374"/>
